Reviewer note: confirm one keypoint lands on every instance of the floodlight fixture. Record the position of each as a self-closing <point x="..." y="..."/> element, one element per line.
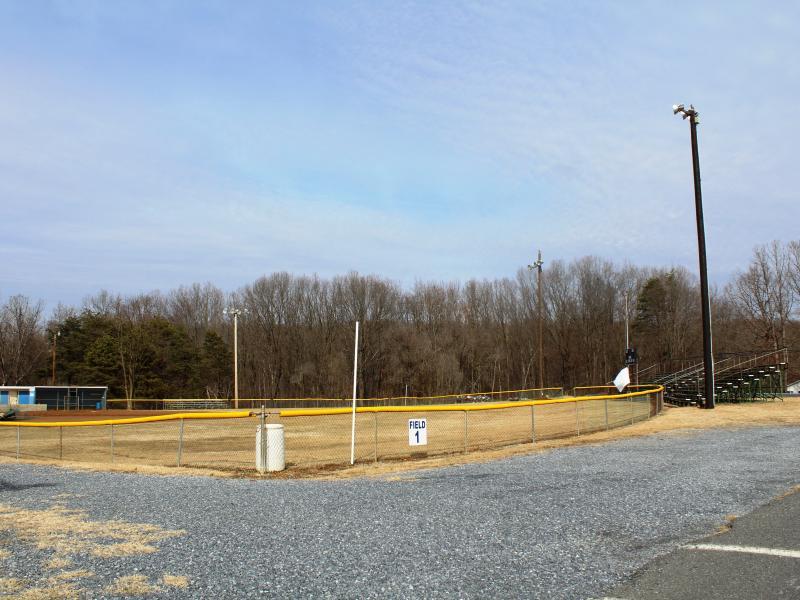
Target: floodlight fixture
<point x="686" y="112"/>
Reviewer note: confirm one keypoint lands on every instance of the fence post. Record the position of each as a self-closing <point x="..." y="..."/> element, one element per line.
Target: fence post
<point x="263" y="446"/>
<point x="18" y="428"/>
<point x="60" y="443"/>
<point x="375" y="421"/>
<point x="577" y="419"/>
<point x="606" y="414"/>
<point x="465" y="432"/>
<point x="533" y="426"/>
<point x="112" y="442"/>
<point x="180" y="442"/>
<point x="630" y="400"/>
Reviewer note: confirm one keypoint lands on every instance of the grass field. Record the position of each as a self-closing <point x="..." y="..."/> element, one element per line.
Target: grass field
<point x="311" y="441"/>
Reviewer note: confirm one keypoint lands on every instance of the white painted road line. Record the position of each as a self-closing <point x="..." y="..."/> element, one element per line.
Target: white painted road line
<point x="745" y="550"/>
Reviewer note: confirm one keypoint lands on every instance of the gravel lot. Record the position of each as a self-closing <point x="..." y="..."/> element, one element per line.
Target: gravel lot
<point x="568" y="523"/>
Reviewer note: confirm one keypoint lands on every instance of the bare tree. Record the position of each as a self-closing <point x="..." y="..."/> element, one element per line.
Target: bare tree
<point x="198" y="308"/>
<point x="22" y="342"/>
<point x="767" y="293"/>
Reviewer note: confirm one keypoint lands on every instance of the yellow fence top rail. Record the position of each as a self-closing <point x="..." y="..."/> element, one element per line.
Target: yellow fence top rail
<point x="302" y="412"/>
<point x="308" y="412"/>
<point x="131" y="421"/>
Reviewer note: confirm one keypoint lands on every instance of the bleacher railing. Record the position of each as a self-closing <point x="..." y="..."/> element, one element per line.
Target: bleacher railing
<point x="736" y="361"/>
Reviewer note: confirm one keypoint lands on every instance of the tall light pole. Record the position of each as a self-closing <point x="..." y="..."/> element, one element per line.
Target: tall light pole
<point x="708" y="358"/>
<point x="56" y="335"/>
<point x="538" y="266"/>
<point x="235" y="312"/>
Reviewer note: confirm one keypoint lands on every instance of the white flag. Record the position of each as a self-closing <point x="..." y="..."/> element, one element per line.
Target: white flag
<point x="622" y="379"/>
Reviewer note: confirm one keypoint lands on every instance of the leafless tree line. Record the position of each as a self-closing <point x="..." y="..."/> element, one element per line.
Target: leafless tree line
<point x="296" y="332"/>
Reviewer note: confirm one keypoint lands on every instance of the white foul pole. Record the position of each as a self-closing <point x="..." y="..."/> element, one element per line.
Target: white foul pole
<point x="236" y="358"/>
<point x="355" y="387"/>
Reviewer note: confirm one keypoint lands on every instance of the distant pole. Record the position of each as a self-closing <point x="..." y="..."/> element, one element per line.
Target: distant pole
<point x="235" y="312"/>
<point x="540" y="310"/>
<point x="56" y="335"/>
<point x="355" y="387"/>
<point x="708" y="359"/>
<point x="627" y="337"/>
<point x="539" y="313"/>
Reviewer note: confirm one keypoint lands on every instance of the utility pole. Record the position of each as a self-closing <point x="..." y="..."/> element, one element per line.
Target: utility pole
<point x="56" y="335"/>
<point x="708" y="358"/>
<point x="539" y="313"/>
<point x="627" y="337"/>
<point x="235" y="312"/>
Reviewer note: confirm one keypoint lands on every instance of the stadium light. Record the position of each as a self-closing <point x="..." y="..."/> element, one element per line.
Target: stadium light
<point x="235" y="312"/>
<point x="708" y="358"/>
<point x="538" y="266"/>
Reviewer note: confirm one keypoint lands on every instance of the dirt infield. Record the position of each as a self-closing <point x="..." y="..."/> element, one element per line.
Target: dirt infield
<point x="89" y="415"/>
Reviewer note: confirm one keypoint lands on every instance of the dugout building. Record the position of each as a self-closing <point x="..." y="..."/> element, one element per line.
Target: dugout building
<point x="54" y="397"/>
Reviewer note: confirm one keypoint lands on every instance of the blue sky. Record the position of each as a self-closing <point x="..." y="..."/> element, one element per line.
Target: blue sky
<point x="144" y="145"/>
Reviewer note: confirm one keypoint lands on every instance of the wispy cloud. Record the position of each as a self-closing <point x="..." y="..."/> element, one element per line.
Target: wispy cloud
<point x="145" y="147"/>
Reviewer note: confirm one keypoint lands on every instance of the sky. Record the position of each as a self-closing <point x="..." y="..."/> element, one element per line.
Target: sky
<point x="147" y="145"/>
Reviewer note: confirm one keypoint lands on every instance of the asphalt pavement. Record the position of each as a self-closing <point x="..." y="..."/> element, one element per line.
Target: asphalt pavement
<point x="758" y="557"/>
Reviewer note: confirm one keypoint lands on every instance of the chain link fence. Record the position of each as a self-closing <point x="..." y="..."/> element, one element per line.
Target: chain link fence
<point x="316" y="438"/>
<point x="195" y="440"/>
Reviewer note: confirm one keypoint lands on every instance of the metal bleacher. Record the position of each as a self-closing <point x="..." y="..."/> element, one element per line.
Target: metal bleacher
<point x="748" y="377"/>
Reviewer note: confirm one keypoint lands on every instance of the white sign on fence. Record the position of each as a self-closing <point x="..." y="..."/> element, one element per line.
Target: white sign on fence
<point x="417" y="432"/>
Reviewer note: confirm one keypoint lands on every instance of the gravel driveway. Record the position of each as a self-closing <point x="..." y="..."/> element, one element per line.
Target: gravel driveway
<point x="567" y="523"/>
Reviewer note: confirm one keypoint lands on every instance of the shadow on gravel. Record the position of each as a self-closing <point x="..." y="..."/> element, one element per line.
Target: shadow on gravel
<point x="6" y="486"/>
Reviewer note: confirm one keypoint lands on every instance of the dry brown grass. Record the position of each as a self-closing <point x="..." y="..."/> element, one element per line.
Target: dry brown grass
<point x="727" y="525"/>
<point x="71" y="575"/>
<point x="67" y="533"/>
<point x="319" y="447"/>
<point x="9" y="585"/>
<point x="131" y="585"/>
<point x="59" y="591"/>
<point x="176" y="581"/>
<point x="165" y="471"/>
<point x="672" y="420"/>
<point x="58" y="562"/>
<point x="4" y="553"/>
<point x="787" y="493"/>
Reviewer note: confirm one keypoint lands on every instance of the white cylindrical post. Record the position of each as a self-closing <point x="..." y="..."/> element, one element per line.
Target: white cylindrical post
<point x="355" y="388"/>
<point x="236" y="359"/>
<point x="270" y="448"/>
